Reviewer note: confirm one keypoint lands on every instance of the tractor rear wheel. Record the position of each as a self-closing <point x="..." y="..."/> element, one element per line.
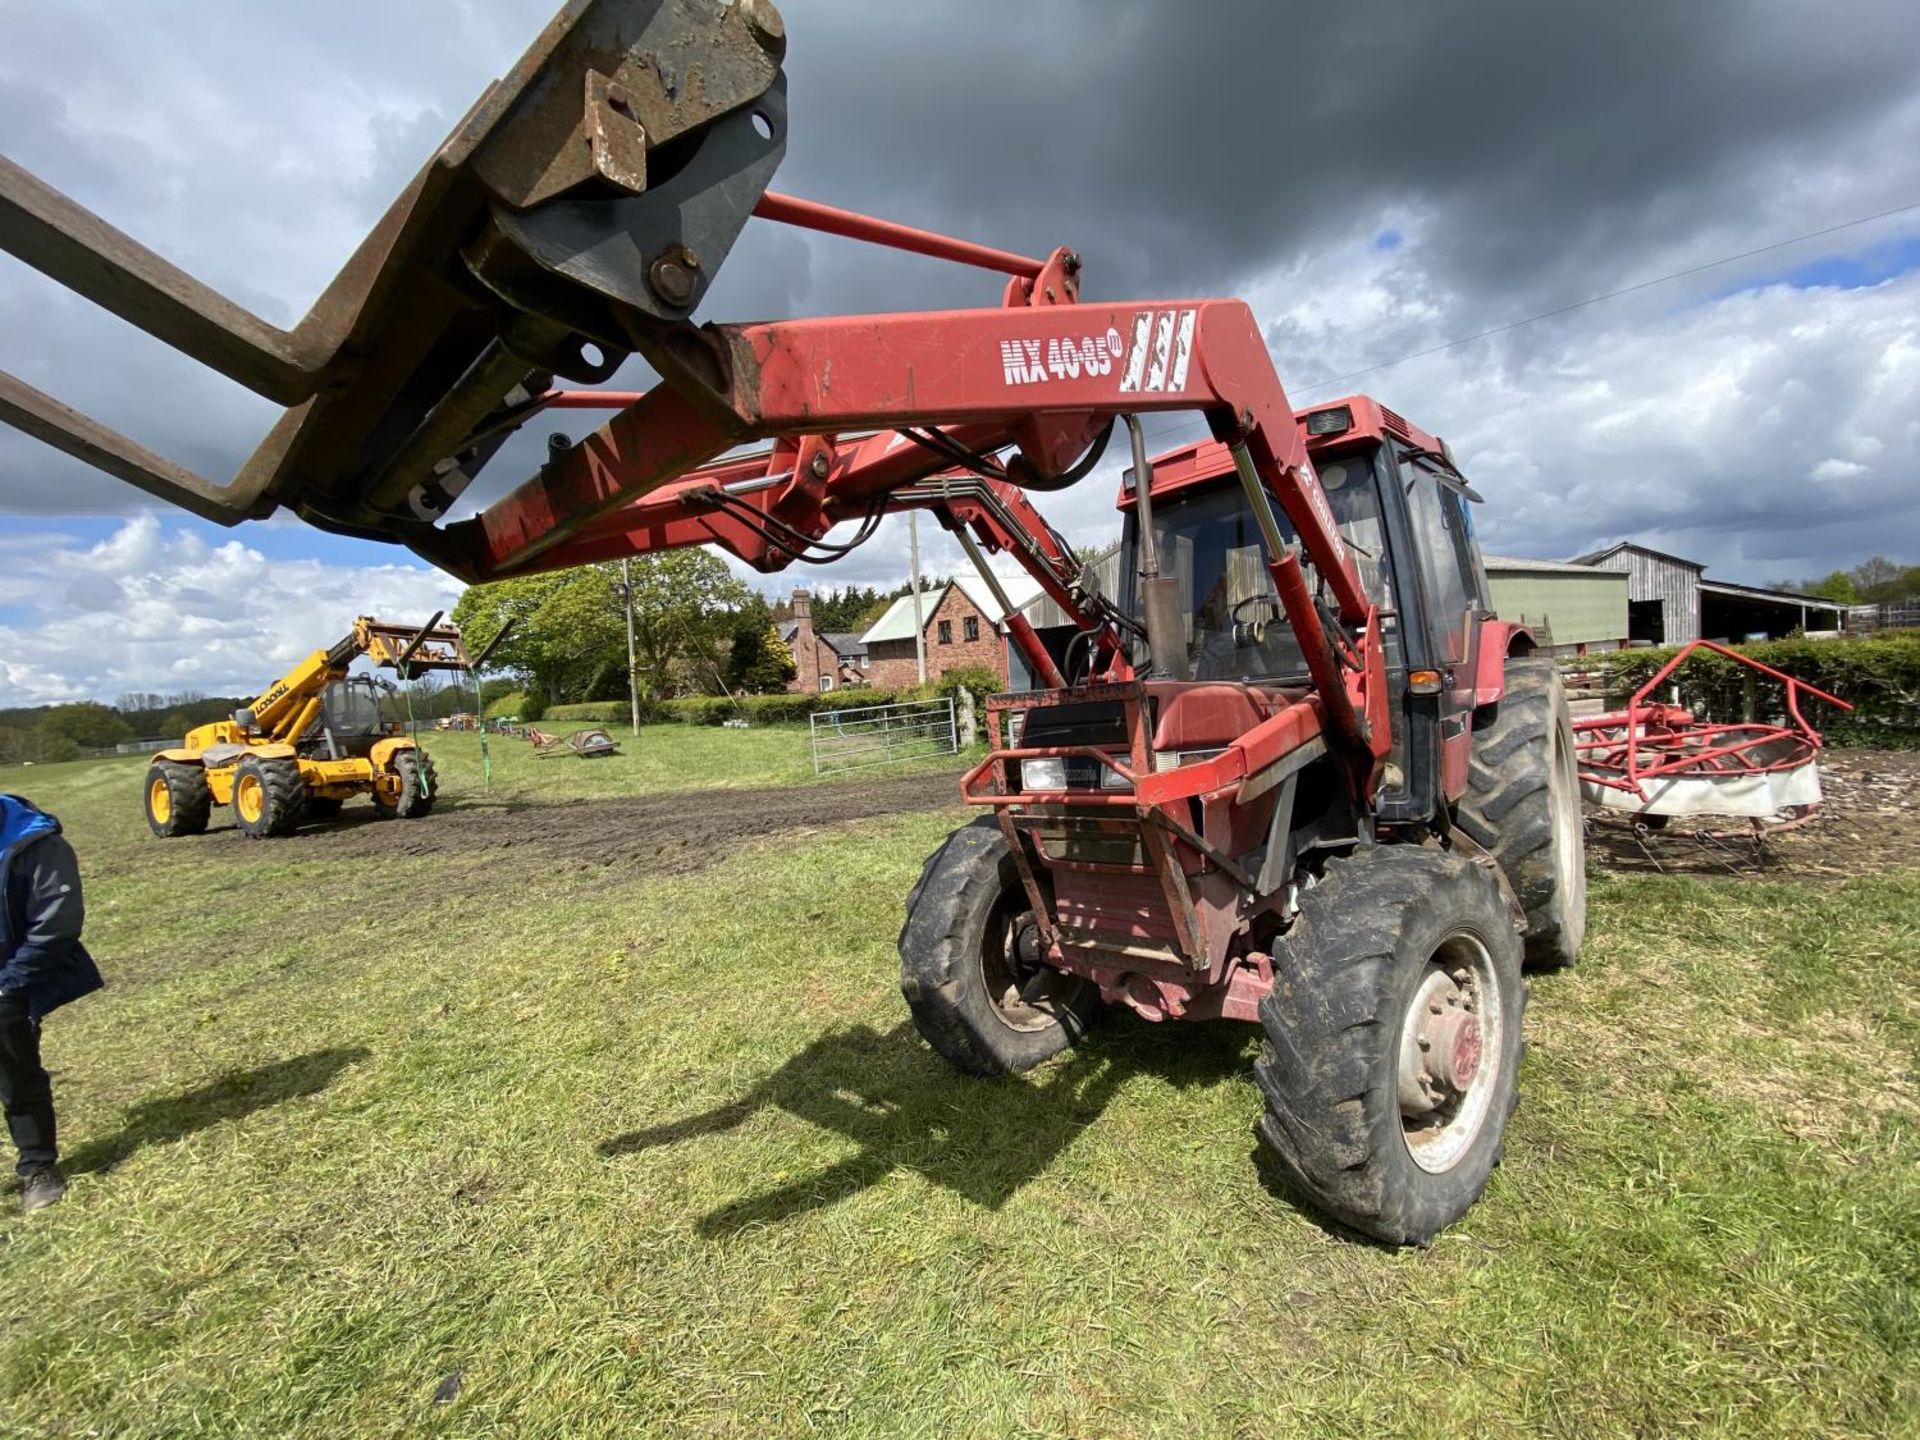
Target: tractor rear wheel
<point x="269" y="797"/>
<point x="1392" y="1054"/>
<point x="419" y="788"/>
<point x="970" y="963"/>
<point x="178" y="800"/>
<point x="1522" y="806"/>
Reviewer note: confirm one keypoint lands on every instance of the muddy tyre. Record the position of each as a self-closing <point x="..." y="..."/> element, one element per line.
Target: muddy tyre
<point x="1522" y="806"/>
<point x="269" y="797"/>
<point x="970" y="967"/>
<point x="178" y="800"/>
<point x="1393" y="1041"/>
<point x="419" y="788"/>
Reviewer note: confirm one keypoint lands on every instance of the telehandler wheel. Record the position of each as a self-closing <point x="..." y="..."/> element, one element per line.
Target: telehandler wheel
<point x="1522" y="806"/>
<point x="419" y="788"/>
<point x="268" y="797"/>
<point x="1392" y="1052"/>
<point x="178" y="800"/>
<point x="970" y="965"/>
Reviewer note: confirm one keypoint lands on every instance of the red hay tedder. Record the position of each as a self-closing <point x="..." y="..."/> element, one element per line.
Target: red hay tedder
<point x="1293" y="773"/>
<point x="1654" y="762"/>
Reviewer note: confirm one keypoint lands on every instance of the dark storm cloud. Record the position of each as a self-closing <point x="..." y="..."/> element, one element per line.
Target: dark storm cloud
<point x="1532" y="154"/>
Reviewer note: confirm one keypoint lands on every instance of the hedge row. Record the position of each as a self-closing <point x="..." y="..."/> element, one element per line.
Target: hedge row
<point x="759" y="709"/>
<point x="1879" y="675"/>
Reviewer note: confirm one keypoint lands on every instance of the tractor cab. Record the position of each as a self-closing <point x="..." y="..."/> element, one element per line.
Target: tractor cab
<point x="351" y="719"/>
<point x="1402" y="509"/>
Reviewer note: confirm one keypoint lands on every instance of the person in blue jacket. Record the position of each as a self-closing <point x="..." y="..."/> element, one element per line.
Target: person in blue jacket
<point x="43" y="965"/>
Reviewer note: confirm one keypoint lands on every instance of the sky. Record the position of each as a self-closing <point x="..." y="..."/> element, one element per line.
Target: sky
<point x="1376" y="181"/>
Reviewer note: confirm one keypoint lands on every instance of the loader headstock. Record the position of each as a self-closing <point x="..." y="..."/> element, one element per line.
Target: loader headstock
<point x="575" y="216"/>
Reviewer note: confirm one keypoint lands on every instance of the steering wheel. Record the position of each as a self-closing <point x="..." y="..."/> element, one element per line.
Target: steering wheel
<point x="1271" y="602"/>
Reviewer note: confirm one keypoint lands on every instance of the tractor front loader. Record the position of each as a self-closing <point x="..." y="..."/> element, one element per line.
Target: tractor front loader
<point x="312" y="740"/>
<point x="1293" y="774"/>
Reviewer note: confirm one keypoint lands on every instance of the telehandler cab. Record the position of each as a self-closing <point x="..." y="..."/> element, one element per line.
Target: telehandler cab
<point x="309" y="742"/>
<point x="1295" y="774"/>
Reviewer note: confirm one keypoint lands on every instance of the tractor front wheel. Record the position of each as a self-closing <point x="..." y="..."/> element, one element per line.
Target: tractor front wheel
<point x="178" y="800"/>
<point x="419" y="788"/>
<point x="1392" y="1054"/>
<point x="1522" y="806"/>
<point x="970" y="965"/>
<point x="269" y="797"/>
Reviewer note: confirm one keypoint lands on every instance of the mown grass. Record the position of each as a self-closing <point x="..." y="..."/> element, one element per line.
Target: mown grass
<point x="661" y="757"/>
<point x="597" y="1154"/>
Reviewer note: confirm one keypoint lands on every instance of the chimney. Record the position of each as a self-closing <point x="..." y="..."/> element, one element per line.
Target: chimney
<point x="803" y="647"/>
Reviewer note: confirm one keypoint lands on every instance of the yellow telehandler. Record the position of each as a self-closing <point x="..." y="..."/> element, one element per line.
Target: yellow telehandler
<point x="309" y="742"/>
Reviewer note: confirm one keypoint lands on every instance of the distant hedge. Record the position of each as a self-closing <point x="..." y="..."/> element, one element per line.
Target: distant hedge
<point x="781" y="709"/>
<point x="1878" y="674"/>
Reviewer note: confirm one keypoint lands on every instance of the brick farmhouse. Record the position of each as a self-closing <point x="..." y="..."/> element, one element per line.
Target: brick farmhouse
<point x="821" y="660"/>
<point x="962" y="628"/>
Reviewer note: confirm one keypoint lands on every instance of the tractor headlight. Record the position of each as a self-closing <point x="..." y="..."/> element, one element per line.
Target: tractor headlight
<point x="1043" y="774"/>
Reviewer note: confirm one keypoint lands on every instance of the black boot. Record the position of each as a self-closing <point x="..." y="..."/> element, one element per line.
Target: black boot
<point x="42" y="1188"/>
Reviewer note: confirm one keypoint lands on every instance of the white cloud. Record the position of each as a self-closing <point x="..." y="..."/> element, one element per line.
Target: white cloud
<point x="155" y="607"/>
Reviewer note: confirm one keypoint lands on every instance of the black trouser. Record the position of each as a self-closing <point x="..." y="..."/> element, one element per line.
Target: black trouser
<point x="26" y="1090"/>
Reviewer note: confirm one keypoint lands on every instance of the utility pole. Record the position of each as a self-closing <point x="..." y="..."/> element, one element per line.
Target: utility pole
<point x="919" y="622"/>
<point x="633" y="669"/>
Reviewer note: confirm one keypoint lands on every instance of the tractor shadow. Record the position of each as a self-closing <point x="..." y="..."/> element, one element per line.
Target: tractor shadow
<point x="907" y="1109"/>
<point x="231" y="1097"/>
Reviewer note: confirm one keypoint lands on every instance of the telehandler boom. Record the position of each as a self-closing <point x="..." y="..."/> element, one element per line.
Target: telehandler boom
<point x="309" y="742"/>
<point x="1294" y="773"/>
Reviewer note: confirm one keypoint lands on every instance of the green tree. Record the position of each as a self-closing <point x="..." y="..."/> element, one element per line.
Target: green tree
<point x="760" y="661"/>
<point x="570" y="636"/>
<point x="1838" y="587"/>
<point x="88" y="724"/>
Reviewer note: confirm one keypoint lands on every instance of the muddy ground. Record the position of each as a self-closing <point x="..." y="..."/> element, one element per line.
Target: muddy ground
<point x="663" y="834"/>
<point x="1870" y="823"/>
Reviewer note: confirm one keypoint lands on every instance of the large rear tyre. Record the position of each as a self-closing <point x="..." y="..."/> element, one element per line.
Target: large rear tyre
<point x="269" y="797"/>
<point x="419" y="788"/>
<point x="178" y="800"/>
<point x="1522" y="806"/>
<point x="1392" y="1054"/>
<point x="970" y="963"/>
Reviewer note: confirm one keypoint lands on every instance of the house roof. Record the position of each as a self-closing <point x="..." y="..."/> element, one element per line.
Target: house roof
<point x="1510" y="563"/>
<point x="1767" y="592"/>
<point x="1594" y="556"/>
<point x="845" y="641"/>
<point x="897" y="623"/>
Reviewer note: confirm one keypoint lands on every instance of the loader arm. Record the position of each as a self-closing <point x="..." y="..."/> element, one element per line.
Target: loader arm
<point x="576" y="217"/>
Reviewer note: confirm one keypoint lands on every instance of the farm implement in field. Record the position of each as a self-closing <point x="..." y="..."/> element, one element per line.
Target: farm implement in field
<point x="1293" y="773"/>
<point x="1655" y="762"/>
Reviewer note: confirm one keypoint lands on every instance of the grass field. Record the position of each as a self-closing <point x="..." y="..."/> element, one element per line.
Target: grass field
<point x="473" y="1143"/>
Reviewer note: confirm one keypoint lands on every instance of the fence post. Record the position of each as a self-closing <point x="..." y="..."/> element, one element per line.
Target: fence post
<point x="968" y="731"/>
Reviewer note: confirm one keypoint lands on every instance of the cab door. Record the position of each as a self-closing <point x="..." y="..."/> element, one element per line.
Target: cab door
<point x="1453" y="587"/>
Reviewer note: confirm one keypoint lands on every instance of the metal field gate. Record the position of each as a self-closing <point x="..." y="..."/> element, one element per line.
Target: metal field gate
<point x="881" y="734"/>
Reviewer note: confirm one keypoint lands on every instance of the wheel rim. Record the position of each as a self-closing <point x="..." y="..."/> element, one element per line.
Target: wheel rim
<point x="1026" y="993"/>
<point x="1570" y="872"/>
<point x="159" y="800"/>
<point x="250" y="798"/>
<point x="1452" y="1053"/>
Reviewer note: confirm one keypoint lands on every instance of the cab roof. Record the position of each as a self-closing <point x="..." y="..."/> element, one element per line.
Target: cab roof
<point x="1204" y="460"/>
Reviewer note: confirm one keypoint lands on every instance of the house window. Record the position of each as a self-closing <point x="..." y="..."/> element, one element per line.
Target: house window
<point x="826" y="682"/>
<point x="946" y="632"/>
<point x="970" y="627"/>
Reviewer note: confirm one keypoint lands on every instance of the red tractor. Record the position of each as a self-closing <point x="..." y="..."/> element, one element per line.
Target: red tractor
<point x="1294" y="773"/>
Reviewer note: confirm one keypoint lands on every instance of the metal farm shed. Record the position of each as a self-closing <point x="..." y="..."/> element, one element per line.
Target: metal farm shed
<point x="1669" y="600"/>
<point x="1572" y="609"/>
